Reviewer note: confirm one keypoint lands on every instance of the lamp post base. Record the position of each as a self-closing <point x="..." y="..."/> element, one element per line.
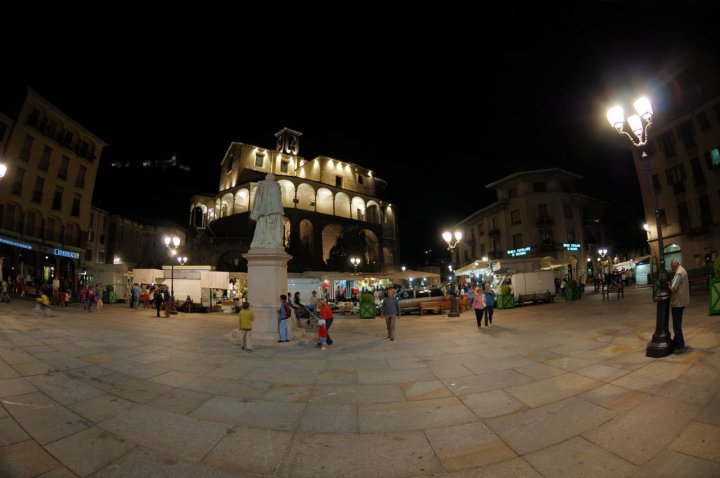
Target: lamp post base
<point x="661" y="344"/>
<point x="454" y="312"/>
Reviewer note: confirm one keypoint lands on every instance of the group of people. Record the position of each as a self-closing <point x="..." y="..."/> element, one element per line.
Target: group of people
<point x="90" y="296"/>
<point x="482" y="301"/>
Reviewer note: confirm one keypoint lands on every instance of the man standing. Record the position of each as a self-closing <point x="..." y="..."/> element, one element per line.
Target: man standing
<point x="679" y="298"/>
<point x="390" y="310"/>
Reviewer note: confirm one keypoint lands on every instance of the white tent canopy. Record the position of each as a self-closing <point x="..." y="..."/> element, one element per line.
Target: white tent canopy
<point x="411" y="274"/>
<point x="147" y="276"/>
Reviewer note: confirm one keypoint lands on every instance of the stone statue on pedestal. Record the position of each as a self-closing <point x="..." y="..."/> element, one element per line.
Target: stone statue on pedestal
<point x="268" y="212"/>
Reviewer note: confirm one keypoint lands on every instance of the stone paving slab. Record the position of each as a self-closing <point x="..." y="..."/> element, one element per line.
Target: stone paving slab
<point x="553" y="389"/>
<point x="672" y="464"/>
<point x="329" y="418"/>
<point x="250" y="413"/>
<point x="88" y="450"/>
<point x="250" y="450"/>
<point x="700" y="440"/>
<point x="541" y="427"/>
<point x="25" y="460"/>
<point x="413" y="415"/>
<point x="165" y="432"/>
<point x="564" y="460"/>
<point x="644" y="430"/>
<point x="15" y="386"/>
<point x="181" y="401"/>
<point x="142" y="462"/>
<point x="360" y="456"/>
<point x="467" y="446"/>
<point x="64" y="389"/>
<point x="492" y="404"/>
<point x="11" y="432"/>
<point x="512" y="468"/>
<point x="101" y="408"/>
<point x="44" y="419"/>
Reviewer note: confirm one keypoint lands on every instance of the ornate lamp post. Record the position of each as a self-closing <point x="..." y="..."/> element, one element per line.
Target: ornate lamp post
<point x="355" y="261"/>
<point x="448" y="237"/>
<point x="660" y="345"/>
<point x="172" y="244"/>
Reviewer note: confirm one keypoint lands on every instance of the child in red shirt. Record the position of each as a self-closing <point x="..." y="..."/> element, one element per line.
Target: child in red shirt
<point x="322" y="334"/>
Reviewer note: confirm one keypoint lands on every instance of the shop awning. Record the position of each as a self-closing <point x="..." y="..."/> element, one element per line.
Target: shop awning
<point x="411" y="274"/>
<point x="632" y="263"/>
<point x="548" y="263"/>
<point x="147" y="276"/>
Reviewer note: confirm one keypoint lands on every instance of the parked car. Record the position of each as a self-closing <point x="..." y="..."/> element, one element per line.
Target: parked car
<point x="410" y="299"/>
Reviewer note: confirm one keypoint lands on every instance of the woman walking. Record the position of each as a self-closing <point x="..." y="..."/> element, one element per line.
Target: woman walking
<point x="478" y="306"/>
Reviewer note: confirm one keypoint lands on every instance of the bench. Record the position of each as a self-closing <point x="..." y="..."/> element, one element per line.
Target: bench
<point x="613" y="289"/>
<point x="434" y="305"/>
<point x="536" y="297"/>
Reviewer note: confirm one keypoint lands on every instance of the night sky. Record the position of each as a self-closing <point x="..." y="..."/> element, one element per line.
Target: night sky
<point x="438" y="103"/>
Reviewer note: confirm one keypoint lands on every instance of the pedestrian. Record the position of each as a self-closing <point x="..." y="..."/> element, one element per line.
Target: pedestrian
<point x="679" y="298"/>
<point x="4" y="297"/>
<point x="322" y="334"/>
<point x="327" y="315"/>
<point x="158" y="300"/>
<point x="390" y="310"/>
<point x="167" y="301"/>
<point x="284" y="313"/>
<point x="246" y="322"/>
<point x="489" y="305"/>
<point x="98" y="298"/>
<point x="478" y="306"/>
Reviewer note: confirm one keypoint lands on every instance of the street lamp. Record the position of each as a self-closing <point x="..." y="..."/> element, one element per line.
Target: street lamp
<point x="3" y="170"/>
<point x="172" y="244"/>
<point x="448" y="237"/>
<point x="355" y="262"/>
<point x="660" y="345"/>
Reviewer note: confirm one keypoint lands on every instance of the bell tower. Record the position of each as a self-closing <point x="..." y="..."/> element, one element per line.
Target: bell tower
<point x="288" y="141"/>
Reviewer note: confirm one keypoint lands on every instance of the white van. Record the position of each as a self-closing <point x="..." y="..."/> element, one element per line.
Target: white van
<point x="532" y="283"/>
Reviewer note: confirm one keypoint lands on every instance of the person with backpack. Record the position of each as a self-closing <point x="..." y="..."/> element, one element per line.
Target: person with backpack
<point x="284" y="314"/>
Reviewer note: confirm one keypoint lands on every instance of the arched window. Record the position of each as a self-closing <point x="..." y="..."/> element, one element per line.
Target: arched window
<point x="242" y="201"/>
<point x="287" y="192"/>
<point x="324" y="201"/>
<point x="306" y="235"/>
<point x="330" y="234"/>
<point x="358" y="208"/>
<point x="342" y="205"/>
<point x="306" y="197"/>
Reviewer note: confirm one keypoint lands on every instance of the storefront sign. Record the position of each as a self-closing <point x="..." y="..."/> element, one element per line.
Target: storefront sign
<point x="519" y="252"/>
<point x="10" y="242"/>
<point x="572" y="246"/>
<point x="64" y="253"/>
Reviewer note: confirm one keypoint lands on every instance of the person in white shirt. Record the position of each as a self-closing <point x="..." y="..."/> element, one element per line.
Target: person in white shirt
<point x="679" y="298"/>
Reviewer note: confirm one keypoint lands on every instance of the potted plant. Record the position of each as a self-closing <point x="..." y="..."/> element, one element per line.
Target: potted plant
<point x="110" y="296"/>
<point x="572" y="290"/>
<point x="505" y="298"/>
<point x="715" y="288"/>
<point x="367" y="306"/>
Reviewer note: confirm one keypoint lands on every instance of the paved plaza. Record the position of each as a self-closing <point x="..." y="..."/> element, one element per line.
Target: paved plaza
<point x="556" y="390"/>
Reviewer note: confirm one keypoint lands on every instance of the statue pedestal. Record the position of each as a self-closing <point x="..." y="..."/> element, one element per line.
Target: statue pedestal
<point x="267" y="280"/>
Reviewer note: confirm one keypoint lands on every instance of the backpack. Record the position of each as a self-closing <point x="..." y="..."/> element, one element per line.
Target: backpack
<point x="288" y="310"/>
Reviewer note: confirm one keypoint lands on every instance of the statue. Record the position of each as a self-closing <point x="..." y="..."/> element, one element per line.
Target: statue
<point x="268" y="212"/>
